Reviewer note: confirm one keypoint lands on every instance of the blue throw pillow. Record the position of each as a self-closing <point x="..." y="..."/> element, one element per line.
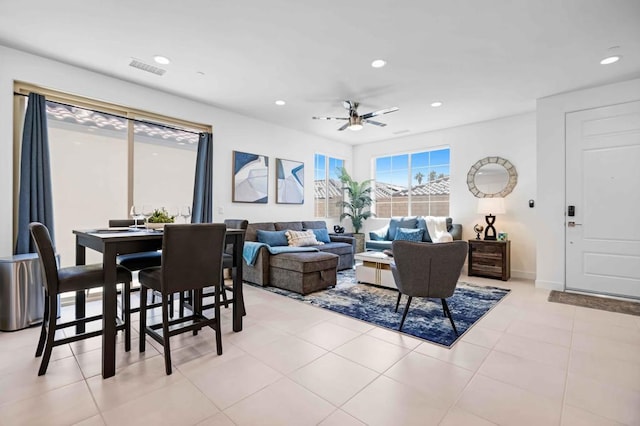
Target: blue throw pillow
<point x="407" y="234"/>
<point x="272" y="238"/>
<point x="322" y="235"/>
<point x="400" y="222"/>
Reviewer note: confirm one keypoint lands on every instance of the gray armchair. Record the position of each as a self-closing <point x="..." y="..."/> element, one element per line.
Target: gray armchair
<point x="427" y="270"/>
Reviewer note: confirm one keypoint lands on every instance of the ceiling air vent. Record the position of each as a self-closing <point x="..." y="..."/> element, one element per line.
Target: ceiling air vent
<point x="146" y="67"/>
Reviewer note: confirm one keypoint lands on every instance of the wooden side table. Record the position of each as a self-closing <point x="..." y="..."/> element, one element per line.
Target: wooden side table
<point x="490" y="259"/>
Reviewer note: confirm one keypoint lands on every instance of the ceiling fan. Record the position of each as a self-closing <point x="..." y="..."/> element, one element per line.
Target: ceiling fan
<point x="355" y="121"/>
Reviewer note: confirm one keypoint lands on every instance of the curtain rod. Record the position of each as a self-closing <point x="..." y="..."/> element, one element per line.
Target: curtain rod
<point x="135" y="120"/>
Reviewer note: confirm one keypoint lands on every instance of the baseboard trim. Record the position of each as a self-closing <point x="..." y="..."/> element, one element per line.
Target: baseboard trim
<point x="550" y="285"/>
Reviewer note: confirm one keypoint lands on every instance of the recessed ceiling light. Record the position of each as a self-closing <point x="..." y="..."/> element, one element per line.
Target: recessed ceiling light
<point x="378" y="63"/>
<point x="162" y="60"/>
<point x="436" y="104"/>
<point x="280" y="102"/>
<point x="610" y="60"/>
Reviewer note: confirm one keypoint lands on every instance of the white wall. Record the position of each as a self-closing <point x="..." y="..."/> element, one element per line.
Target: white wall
<point x="513" y="138"/>
<point x="230" y="132"/>
<point x="550" y="230"/>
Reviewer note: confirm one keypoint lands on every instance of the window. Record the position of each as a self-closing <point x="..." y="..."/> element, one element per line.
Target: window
<point x="105" y="158"/>
<point x="414" y="184"/>
<point x="328" y="189"/>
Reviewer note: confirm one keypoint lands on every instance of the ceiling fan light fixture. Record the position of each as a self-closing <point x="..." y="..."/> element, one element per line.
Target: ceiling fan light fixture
<point x="355" y="123"/>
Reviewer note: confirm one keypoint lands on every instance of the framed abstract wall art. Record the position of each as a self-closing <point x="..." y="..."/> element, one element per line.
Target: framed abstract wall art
<point x="250" y="178"/>
<point x="289" y="182"/>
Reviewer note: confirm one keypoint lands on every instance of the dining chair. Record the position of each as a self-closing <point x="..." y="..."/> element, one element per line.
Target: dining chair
<point x="427" y="270"/>
<point x="191" y="261"/>
<point x="60" y="280"/>
<point x="227" y="264"/>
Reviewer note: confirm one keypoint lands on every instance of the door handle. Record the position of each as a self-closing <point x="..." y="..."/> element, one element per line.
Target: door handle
<point x="573" y="224"/>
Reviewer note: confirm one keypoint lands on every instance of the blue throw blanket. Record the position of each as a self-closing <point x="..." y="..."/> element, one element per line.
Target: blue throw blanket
<point x="251" y="250"/>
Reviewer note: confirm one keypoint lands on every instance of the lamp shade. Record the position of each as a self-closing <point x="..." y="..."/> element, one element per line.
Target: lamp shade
<point x="491" y="206"/>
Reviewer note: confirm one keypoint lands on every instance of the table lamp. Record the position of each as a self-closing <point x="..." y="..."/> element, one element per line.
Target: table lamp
<point x="489" y="206"/>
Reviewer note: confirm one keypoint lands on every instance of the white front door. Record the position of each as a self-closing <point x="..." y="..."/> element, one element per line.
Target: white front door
<point x="603" y="185"/>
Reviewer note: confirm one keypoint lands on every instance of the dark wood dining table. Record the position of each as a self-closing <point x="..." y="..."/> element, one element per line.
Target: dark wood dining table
<point x="112" y="242"/>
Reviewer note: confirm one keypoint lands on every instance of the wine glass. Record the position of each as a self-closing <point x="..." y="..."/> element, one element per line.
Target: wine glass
<point x="136" y="214"/>
<point x="173" y="212"/>
<point x="147" y="211"/>
<point x="185" y="212"/>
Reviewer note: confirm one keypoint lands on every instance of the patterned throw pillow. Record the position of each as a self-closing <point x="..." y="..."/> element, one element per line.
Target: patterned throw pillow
<point x="302" y="238"/>
<point x="407" y="234"/>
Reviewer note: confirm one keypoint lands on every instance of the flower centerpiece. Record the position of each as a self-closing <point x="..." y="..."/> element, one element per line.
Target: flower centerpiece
<point x="159" y="218"/>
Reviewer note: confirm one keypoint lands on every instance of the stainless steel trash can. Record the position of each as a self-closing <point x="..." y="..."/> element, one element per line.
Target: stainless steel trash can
<point x="21" y="292"/>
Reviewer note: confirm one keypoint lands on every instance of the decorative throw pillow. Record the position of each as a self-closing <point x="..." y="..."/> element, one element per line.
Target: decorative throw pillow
<point x="302" y="238"/>
<point x="407" y="234"/>
<point x="321" y="234"/>
<point x="272" y="238"/>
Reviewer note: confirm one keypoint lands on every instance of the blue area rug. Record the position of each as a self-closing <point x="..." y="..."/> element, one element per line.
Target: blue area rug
<point x="425" y="319"/>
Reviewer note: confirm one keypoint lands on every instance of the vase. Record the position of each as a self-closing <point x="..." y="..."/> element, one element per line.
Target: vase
<point x="359" y="242"/>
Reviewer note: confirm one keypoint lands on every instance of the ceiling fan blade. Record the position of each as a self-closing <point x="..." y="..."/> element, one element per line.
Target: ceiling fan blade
<point x="343" y="127"/>
<point x="379" y="112"/>
<point x="375" y="123"/>
<point x="330" y="118"/>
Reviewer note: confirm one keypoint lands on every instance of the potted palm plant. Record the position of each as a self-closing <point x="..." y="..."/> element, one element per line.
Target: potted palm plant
<point x="358" y="205"/>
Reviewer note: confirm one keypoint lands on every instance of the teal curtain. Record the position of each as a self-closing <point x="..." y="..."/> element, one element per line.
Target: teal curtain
<point x="35" y="202"/>
<point x="202" y="211"/>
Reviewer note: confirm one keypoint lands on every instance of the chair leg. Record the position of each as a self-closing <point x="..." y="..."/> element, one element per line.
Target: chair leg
<point x="43" y="330"/>
<point x="143" y="318"/>
<point x="216" y="312"/>
<point x="81" y="303"/>
<point x="171" y="304"/>
<point x="165" y="333"/>
<point x="52" y="302"/>
<point x="126" y="315"/>
<point x="447" y="313"/>
<point x="398" y="301"/>
<point x="224" y="291"/>
<point x="404" y="314"/>
<point x="196" y="305"/>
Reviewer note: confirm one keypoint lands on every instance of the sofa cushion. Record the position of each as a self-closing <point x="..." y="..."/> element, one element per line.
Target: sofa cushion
<point x="322" y="235"/>
<point x="337" y="248"/>
<point x="272" y="238"/>
<point x="314" y="224"/>
<point x="301" y="238"/>
<point x="400" y="222"/>
<point x="252" y="228"/>
<point x="283" y="226"/>
<point x="406" y="234"/>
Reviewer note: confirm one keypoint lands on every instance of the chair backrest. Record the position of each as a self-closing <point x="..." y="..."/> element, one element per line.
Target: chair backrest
<point x="236" y="223"/>
<point x="192" y="256"/>
<point x="427" y="269"/>
<point x="121" y="223"/>
<point x="47" y="256"/>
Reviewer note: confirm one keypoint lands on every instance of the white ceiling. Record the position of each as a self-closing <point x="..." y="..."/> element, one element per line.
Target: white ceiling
<point x="483" y="59"/>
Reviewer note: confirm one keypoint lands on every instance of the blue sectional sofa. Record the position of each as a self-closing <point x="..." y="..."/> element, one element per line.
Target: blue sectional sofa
<point x="382" y="238"/>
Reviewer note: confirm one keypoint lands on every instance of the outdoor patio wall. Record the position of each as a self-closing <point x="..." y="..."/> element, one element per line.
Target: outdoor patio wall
<point x="230" y="132"/>
<point x="513" y="138"/>
<point x="550" y="228"/>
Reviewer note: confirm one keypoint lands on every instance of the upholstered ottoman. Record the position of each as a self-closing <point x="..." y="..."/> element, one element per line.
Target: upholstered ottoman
<point x="303" y="272"/>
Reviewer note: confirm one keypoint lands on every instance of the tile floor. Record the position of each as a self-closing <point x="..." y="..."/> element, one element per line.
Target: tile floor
<point x="528" y="362"/>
